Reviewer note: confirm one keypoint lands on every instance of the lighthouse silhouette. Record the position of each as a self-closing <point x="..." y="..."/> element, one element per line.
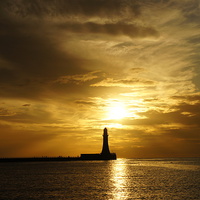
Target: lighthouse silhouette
<point x="105" y="153"/>
<point x="105" y="148"/>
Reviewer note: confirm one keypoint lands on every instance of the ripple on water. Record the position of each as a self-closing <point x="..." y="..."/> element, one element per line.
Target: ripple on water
<point x="118" y="179"/>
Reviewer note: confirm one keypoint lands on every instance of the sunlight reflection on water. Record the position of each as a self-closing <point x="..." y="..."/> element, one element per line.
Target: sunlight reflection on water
<point x="119" y="179"/>
<point x="122" y="179"/>
<point x="149" y="179"/>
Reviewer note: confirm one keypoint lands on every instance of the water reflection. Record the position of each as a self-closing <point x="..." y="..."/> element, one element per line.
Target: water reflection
<point x="119" y="179"/>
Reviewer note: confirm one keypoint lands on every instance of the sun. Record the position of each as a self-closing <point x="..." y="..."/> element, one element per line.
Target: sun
<point x="117" y="111"/>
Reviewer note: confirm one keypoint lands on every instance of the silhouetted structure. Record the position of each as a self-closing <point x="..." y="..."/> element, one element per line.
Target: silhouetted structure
<point x="105" y="148"/>
<point x="105" y="153"/>
<point x="39" y="159"/>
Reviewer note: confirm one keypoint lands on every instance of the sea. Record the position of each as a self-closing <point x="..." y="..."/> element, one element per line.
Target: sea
<point x="164" y="178"/>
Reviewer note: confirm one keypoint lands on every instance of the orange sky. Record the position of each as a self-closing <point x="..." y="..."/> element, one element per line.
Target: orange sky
<point x="70" y="68"/>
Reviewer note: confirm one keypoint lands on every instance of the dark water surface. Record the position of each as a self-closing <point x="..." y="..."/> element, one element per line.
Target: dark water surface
<point x="116" y="179"/>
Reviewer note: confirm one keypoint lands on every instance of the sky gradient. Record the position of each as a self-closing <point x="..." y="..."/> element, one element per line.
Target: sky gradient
<point x="69" y="68"/>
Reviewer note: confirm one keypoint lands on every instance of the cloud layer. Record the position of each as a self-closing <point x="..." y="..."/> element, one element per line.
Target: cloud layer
<point x="64" y="64"/>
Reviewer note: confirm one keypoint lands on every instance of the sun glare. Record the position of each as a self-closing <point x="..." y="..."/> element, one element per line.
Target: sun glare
<point x="117" y="111"/>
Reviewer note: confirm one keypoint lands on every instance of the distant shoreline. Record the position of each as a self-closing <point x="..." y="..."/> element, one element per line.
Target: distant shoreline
<point x="40" y="159"/>
<point x="49" y="159"/>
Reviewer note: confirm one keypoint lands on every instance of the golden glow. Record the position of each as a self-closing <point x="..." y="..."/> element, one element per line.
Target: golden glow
<point x="119" y="180"/>
<point x="117" y="110"/>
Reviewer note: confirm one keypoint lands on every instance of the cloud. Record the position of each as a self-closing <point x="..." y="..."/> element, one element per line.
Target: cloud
<point x="189" y="98"/>
<point x="5" y="112"/>
<point x="87" y="8"/>
<point x="118" y="29"/>
<point x="110" y="82"/>
<point x="61" y="60"/>
<point x="27" y="104"/>
<point x="85" y="103"/>
<point x="30" y="58"/>
<point x="78" y="78"/>
<point x="30" y="52"/>
<point x="181" y="115"/>
<point x="162" y="133"/>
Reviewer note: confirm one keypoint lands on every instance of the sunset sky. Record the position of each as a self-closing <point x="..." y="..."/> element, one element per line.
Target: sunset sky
<point x="69" y="68"/>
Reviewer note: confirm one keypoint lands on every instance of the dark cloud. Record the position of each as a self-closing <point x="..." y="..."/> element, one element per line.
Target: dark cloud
<point x="85" y="103"/>
<point x="151" y="100"/>
<point x="193" y="97"/>
<point x="88" y="8"/>
<point x="27" y="104"/>
<point x="31" y="55"/>
<point x="30" y="51"/>
<point x="30" y="58"/>
<point x="123" y="45"/>
<point x="90" y="103"/>
<point x="110" y="82"/>
<point x="77" y="79"/>
<point x="130" y="30"/>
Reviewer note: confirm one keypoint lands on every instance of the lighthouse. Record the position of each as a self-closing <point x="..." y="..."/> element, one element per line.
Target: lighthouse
<point x="105" y="148"/>
<point x="105" y="153"/>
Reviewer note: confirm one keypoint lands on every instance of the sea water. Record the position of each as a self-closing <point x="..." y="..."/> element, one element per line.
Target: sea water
<point x="116" y="179"/>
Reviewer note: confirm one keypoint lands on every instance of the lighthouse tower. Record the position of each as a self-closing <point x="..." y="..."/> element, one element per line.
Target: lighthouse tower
<point x="105" y="149"/>
<point x="105" y="153"/>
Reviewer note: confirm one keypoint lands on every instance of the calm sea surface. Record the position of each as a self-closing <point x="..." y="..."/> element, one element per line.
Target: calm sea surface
<point x="118" y="179"/>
